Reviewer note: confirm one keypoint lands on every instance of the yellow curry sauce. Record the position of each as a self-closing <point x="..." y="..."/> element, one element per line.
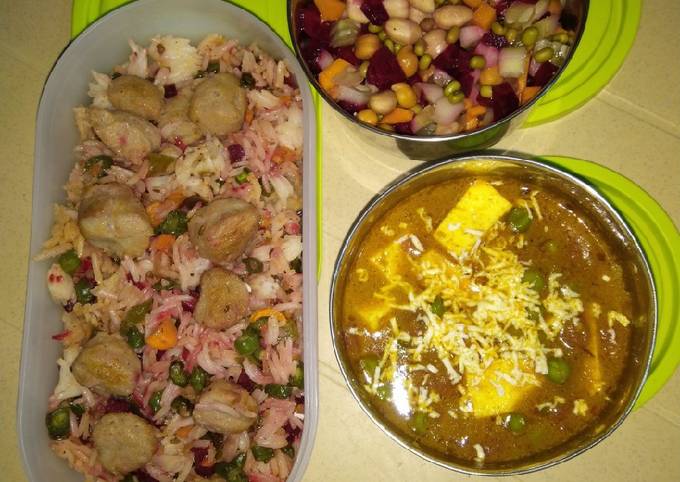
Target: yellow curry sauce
<point x="487" y="318"/>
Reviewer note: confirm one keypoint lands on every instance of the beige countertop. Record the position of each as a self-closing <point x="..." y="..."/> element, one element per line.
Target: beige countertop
<point x="633" y="127"/>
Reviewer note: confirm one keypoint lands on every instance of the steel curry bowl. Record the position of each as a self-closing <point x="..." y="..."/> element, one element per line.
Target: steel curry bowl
<point x="429" y="147"/>
<point x="613" y="229"/>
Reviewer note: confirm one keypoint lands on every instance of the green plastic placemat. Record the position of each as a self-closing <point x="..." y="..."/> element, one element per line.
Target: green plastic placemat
<point x="660" y="240"/>
<point x="272" y="12"/>
<point x="609" y="34"/>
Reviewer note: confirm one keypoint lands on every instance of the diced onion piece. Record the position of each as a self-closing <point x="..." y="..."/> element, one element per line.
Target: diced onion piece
<point x="431" y="92"/>
<point x="470" y="36"/>
<point x="445" y="112"/>
<point x="511" y="61"/>
<point x="547" y="26"/>
<point x="325" y="59"/>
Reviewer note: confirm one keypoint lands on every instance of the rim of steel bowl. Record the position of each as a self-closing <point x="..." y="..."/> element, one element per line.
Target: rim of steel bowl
<point x="344" y="257"/>
<point x="312" y="78"/>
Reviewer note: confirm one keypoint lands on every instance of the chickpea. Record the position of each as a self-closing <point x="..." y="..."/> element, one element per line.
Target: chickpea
<point x="406" y="97"/>
<point x="397" y="8"/>
<point x="367" y="116"/>
<point x="428" y="24"/>
<point x="435" y="42"/>
<point x="367" y="45"/>
<point x="383" y="102"/>
<point x="408" y="61"/>
<point x="403" y="32"/>
<point x="426" y="6"/>
<point x="452" y="16"/>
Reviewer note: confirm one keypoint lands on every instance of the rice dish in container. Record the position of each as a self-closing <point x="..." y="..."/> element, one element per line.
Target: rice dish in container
<point x="177" y="263"/>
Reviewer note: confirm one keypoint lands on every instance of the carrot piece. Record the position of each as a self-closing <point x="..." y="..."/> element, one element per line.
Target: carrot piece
<point x="165" y="336"/>
<point x="471" y="124"/>
<point x="159" y="209"/>
<point x="267" y="312"/>
<point x="474" y="112"/>
<point x="529" y="93"/>
<point x="484" y="16"/>
<point x="248" y="117"/>
<point x="328" y="75"/>
<point x="398" y="116"/>
<point x="490" y="76"/>
<point x="163" y="242"/>
<point x="472" y="3"/>
<point x="555" y="7"/>
<point x="331" y="10"/>
<point x="184" y="432"/>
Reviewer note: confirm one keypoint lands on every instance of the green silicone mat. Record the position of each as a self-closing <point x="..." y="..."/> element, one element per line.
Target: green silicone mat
<point x="660" y="240"/>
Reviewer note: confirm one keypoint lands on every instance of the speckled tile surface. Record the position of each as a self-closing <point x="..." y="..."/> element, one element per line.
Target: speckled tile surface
<point x="633" y="127"/>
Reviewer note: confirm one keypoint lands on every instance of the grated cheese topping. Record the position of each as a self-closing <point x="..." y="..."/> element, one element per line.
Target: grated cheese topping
<point x="490" y="314"/>
<point x="580" y="407"/>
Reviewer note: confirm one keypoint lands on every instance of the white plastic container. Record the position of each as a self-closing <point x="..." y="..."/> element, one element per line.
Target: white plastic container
<point x="99" y="48"/>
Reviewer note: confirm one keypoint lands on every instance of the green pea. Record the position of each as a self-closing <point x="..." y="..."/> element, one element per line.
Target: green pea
<point x="419" y="48"/>
<point x="69" y="261"/>
<point x="419" y="422"/>
<point x="544" y="55"/>
<point x="519" y="219"/>
<point x="562" y="37"/>
<point x="58" y="423"/>
<point x="516" y="422"/>
<point x="389" y="44"/>
<point x="164" y="285"/>
<point x="278" y="391"/>
<point x="155" y="401"/>
<point x="77" y="409"/>
<point x="159" y="164"/>
<point x="175" y="223"/>
<point x="296" y="265"/>
<point x="456" y="97"/>
<point x="498" y="28"/>
<point x="529" y="36"/>
<point x="437" y="306"/>
<point x="477" y="62"/>
<point x="232" y="471"/>
<point x="253" y="265"/>
<point x="262" y="454"/>
<point x="363" y="68"/>
<point x="451" y="88"/>
<point x="214" y="66"/>
<point x="135" y="316"/>
<point x="424" y="62"/>
<point x="369" y="364"/>
<point x="83" y="290"/>
<point x="177" y="374"/>
<point x="297" y="379"/>
<point x="534" y="279"/>
<point x="374" y="28"/>
<point x="98" y="165"/>
<point x="247" y="344"/>
<point x="247" y="80"/>
<point x="452" y="35"/>
<point x="182" y="406"/>
<point x="289" y="450"/>
<point x="511" y="34"/>
<point x="383" y="392"/>
<point x="486" y="91"/>
<point x="135" y="338"/>
<point x="198" y="379"/>
<point x="382" y="35"/>
<point x="242" y="176"/>
<point x="551" y="246"/>
<point x="558" y="370"/>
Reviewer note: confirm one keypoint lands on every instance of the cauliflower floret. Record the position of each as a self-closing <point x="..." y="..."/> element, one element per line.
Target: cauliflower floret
<point x="60" y="284"/>
<point x="198" y="170"/>
<point x="68" y="387"/>
<point x="177" y="55"/>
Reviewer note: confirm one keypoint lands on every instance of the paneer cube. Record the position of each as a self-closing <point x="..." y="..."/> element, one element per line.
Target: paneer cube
<point x="494" y="394"/>
<point x="478" y="210"/>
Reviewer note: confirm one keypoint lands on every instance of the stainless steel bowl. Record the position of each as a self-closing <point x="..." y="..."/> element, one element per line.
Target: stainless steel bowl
<point x="437" y="147"/>
<point x="613" y="227"/>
